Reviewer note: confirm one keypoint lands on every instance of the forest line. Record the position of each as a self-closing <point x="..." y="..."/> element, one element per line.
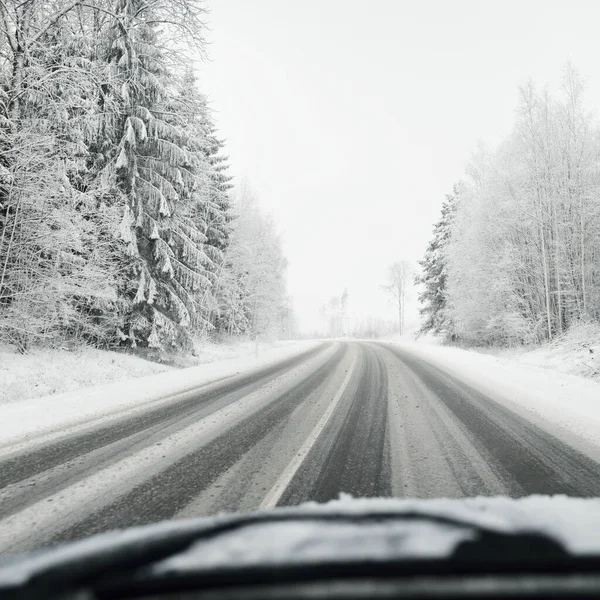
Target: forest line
<point x="515" y="255"/>
<point x="118" y="225"/>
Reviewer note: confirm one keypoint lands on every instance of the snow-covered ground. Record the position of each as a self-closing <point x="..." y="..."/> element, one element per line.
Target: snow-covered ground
<point x="568" y="401"/>
<point x="577" y="352"/>
<point x="45" y="372"/>
<point x="44" y="416"/>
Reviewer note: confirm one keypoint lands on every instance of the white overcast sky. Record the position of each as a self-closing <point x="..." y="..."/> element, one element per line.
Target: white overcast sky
<point x="353" y="118"/>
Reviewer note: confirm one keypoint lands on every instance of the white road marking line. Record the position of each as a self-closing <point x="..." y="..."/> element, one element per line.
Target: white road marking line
<point x="281" y="484"/>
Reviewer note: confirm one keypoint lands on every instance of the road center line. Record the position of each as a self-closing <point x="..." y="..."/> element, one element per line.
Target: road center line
<point x="288" y="473"/>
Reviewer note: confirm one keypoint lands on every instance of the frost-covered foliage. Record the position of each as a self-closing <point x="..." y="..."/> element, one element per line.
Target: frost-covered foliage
<point x="522" y="262"/>
<point x="114" y="195"/>
<point x="334" y="314"/>
<point x="251" y="293"/>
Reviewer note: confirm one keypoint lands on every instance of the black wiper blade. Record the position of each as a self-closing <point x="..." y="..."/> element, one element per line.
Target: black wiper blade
<point x="482" y="551"/>
<point x="128" y="558"/>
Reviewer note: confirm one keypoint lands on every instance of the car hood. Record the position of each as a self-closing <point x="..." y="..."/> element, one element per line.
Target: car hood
<point x="343" y="530"/>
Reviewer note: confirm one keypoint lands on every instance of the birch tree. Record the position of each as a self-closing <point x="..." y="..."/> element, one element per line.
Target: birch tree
<point x="400" y="275"/>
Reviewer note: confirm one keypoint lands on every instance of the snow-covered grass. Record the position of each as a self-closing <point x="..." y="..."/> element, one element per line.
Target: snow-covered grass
<point x="232" y="348"/>
<point x="577" y="352"/>
<point x="426" y="338"/>
<point x="45" y="372"/>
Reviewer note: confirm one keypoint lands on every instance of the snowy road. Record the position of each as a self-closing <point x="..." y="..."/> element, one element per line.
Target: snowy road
<point x="363" y="418"/>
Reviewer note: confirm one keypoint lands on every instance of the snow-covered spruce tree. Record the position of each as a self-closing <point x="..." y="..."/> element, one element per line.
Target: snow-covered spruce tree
<point x="212" y="214"/>
<point x="218" y="214"/>
<point x="433" y="277"/>
<point x="163" y="173"/>
<point x="219" y="208"/>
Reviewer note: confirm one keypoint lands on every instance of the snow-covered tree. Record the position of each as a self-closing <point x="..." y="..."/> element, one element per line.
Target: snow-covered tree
<point x="251" y="292"/>
<point x="433" y="277"/>
<point x="115" y="217"/>
<point x="522" y="262"/>
<point x="400" y="275"/>
<point x="59" y="270"/>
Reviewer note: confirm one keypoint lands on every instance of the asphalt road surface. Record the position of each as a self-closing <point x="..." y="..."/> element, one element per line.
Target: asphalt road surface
<point x="361" y="418"/>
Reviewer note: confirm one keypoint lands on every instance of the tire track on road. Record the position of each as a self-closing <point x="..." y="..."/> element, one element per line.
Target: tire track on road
<point x="525" y="458"/>
<point x="352" y="453"/>
<point x="162" y="496"/>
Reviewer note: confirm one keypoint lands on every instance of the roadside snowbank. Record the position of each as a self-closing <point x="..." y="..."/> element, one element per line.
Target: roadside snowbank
<point x="577" y="352"/>
<point x="28" y="419"/>
<point x="45" y="372"/>
<point x="568" y="401"/>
